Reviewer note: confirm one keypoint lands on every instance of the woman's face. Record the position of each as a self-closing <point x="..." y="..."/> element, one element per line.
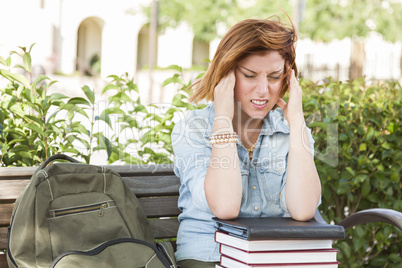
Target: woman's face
<point x="258" y="84"/>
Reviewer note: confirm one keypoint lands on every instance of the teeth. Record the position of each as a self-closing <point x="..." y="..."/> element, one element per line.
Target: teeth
<point x="259" y="102"/>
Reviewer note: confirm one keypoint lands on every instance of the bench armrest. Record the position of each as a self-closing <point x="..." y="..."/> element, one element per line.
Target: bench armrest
<point x="373" y="215"/>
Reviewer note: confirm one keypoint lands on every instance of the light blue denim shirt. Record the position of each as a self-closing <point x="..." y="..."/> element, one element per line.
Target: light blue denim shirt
<point x="263" y="178"/>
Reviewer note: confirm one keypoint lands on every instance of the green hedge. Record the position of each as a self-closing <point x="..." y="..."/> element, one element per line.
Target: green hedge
<point x="357" y="129"/>
<point x="35" y="124"/>
<point x="358" y="134"/>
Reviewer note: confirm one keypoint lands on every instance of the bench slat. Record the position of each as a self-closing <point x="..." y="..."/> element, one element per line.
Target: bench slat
<point x="19" y="173"/>
<point x="3" y="237"/>
<point x="7" y="173"/>
<point x="160" y="206"/>
<point x="3" y="261"/>
<point x="5" y="214"/>
<point x="143" y="170"/>
<point x="140" y="186"/>
<point x="164" y="228"/>
<point x="151" y="186"/>
<point x="10" y="189"/>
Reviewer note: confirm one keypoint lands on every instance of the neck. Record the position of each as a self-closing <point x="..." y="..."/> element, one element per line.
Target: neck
<point x="247" y="128"/>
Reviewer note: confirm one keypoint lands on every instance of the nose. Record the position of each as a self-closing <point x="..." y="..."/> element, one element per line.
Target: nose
<point x="262" y="86"/>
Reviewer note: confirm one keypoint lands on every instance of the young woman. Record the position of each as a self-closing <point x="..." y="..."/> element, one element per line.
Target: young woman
<point x="248" y="153"/>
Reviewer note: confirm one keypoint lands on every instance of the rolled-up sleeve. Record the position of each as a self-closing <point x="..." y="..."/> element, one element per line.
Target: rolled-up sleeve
<point x="192" y="155"/>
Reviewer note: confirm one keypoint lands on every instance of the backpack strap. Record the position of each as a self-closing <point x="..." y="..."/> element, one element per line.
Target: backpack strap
<point x="57" y="157"/>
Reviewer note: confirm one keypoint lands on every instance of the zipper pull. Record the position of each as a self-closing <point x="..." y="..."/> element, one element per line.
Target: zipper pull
<point x="102" y="210"/>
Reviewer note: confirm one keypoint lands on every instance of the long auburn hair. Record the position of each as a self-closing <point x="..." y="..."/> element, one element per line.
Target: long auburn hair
<point x="251" y="36"/>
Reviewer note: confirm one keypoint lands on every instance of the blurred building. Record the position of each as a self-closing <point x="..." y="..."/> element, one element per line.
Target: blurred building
<point x="112" y="37"/>
<point x="91" y="35"/>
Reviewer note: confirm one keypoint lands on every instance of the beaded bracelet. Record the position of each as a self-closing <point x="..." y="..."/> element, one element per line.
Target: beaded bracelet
<point x="229" y="137"/>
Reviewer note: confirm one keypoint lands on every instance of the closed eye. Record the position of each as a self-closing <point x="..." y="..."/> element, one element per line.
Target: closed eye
<point x="276" y="77"/>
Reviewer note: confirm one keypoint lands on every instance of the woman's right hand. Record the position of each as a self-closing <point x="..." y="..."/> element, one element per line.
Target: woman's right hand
<point x="224" y="97"/>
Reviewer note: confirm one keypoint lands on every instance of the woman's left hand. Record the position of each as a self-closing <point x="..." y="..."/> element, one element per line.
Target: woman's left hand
<point x="293" y="110"/>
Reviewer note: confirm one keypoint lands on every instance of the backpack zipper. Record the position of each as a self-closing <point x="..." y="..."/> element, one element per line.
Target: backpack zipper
<point x="167" y="256"/>
<point x="95" y="207"/>
<point x="103" y="246"/>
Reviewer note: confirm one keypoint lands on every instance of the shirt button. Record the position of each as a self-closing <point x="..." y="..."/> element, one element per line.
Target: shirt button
<point x="254" y="187"/>
<point x="255" y="208"/>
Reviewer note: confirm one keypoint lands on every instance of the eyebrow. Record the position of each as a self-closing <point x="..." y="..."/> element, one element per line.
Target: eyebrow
<point x="256" y="73"/>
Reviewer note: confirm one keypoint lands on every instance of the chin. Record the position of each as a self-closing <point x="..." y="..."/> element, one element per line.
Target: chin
<point x="259" y="116"/>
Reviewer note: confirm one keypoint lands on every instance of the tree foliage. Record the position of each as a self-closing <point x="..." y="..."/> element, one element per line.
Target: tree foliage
<point x="336" y="19"/>
<point x="323" y="20"/>
<point x="207" y="18"/>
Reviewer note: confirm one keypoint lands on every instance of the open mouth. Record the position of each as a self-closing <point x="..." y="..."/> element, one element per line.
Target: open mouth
<point x="259" y="102"/>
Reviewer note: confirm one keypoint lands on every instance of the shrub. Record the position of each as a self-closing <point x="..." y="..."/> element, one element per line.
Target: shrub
<point x="360" y="165"/>
<point x="35" y="125"/>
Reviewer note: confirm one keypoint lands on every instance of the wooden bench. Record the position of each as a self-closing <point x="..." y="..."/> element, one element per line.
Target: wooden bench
<point x="156" y="187"/>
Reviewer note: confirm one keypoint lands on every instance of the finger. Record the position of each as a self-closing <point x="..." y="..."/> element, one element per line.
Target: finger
<point x="281" y="103"/>
<point x="223" y="82"/>
<point x="232" y="79"/>
<point x="293" y="81"/>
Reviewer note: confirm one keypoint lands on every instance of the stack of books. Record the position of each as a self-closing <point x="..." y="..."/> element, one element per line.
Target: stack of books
<point x="276" y="242"/>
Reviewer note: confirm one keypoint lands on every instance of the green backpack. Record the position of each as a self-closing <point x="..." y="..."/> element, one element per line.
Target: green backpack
<point x="78" y="215"/>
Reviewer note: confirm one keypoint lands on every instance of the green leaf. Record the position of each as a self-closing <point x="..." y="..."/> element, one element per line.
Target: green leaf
<point x="89" y="93"/>
<point x="72" y="108"/>
<point x="104" y="143"/>
<point x="366" y="188"/>
<point x="3" y="61"/>
<point x="175" y="67"/>
<point x="36" y="129"/>
<point x="23" y="49"/>
<point x="78" y="100"/>
<point x="358" y="242"/>
<point x="386" y="146"/>
<point x="114" y="110"/>
<point x="21" y="67"/>
<point x="362" y="147"/>
<point x="351" y="171"/>
<point x="318" y="124"/>
<point x="165" y="138"/>
<point x="174" y="79"/>
<point x="34" y="118"/>
<point x="343" y="137"/>
<point x="109" y="87"/>
<point x="391" y="127"/>
<point x="39" y="79"/>
<point x="394" y="257"/>
<point x="57" y="96"/>
<point x="30" y="48"/>
<point x="78" y="127"/>
<point x="51" y="83"/>
<point x="15" y="77"/>
<point x="27" y="62"/>
<point x="105" y="117"/>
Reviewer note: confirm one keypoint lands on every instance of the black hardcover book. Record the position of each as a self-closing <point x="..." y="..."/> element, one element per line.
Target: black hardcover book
<point x="279" y="228"/>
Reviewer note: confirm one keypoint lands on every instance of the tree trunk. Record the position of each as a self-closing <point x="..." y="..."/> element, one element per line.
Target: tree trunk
<point x="357" y="59"/>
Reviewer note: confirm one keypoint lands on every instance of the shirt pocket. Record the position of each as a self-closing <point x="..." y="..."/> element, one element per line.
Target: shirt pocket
<point x="272" y="173"/>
